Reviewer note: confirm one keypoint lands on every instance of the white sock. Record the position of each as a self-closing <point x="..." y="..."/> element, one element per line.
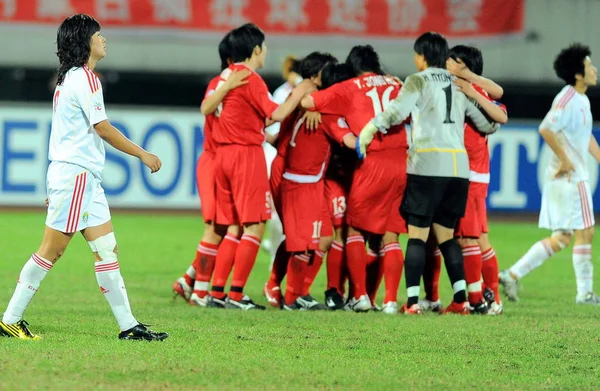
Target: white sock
<point x="584" y="268"/>
<point x="29" y="282"/>
<point x="532" y="259"/>
<point x="111" y="284"/>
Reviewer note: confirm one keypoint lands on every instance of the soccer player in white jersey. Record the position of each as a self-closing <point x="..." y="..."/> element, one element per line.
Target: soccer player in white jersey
<point x="291" y="75"/>
<point x="76" y="200"/>
<point x="438" y="166"/>
<point x="567" y="208"/>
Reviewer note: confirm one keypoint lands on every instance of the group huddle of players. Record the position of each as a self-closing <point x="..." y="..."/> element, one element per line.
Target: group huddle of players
<point x="333" y="200"/>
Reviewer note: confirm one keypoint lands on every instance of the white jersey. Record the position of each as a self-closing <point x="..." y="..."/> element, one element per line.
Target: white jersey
<point x="571" y="119"/>
<point x="437" y="108"/>
<point x="280" y="95"/>
<point x="78" y="106"/>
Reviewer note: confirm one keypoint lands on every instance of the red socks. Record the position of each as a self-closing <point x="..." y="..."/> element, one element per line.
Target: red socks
<point x="393" y="262"/>
<point x="489" y="269"/>
<point x="296" y="271"/>
<point x="356" y="254"/>
<point x="223" y="265"/>
<point x="335" y="266"/>
<point x="204" y="265"/>
<point x="312" y="270"/>
<point x="472" y="262"/>
<point x="245" y="257"/>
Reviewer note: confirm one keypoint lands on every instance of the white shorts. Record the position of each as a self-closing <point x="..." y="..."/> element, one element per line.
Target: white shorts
<point x="566" y="205"/>
<point x="76" y="198"/>
<point x="270" y="155"/>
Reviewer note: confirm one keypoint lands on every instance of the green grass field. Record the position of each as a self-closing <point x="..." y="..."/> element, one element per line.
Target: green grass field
<point x="542" y="342"/>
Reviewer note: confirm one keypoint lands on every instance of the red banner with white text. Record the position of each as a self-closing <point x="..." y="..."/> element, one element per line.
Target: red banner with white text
<point x="364" y="19"/>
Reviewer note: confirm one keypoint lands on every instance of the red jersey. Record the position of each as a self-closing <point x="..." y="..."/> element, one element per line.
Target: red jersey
<point x="309" y="151"/>
<point x="286" y="131"/>
<point x="479" y="155"/>
<point x="245" y="109"/>
<point x="360" y="99"/>
<point x="210" y="121"/>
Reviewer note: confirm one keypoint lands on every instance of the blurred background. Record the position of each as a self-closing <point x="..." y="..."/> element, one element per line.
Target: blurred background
<point x="162" y="53"/>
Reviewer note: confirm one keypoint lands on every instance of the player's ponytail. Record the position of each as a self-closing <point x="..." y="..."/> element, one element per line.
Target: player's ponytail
<point x="73" y="42"/>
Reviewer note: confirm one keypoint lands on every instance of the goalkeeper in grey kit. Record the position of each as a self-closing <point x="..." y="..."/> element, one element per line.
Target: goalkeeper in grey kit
<point x="438" y="165"/>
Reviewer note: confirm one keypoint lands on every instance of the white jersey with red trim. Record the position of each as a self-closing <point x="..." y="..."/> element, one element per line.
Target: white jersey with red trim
<point x="571" y="119"/>
<point x="78" y="106"/>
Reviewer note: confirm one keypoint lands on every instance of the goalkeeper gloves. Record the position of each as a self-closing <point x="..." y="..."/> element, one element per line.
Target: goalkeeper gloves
<point x="364" y="139"/>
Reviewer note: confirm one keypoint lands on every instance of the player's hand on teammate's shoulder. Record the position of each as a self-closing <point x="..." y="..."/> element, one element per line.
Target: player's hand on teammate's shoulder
<point x="306" y="87"/>
<point x="457" y="68"/>
<point x="237" y="78"/>
<point x="465" y="87"/>
<point x="151" y="161"/>
<point x="312" y="120"/>
<point x="565" y="168"/>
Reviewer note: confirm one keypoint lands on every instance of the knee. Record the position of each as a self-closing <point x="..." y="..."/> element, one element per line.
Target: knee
<point x="105" y="247"/>
<point x="560" y="240"/>
<point x="465" y="242"/>
<point x="390" y="237"/>
<point x="255" y="229"/>
<point x="325" y="243"/>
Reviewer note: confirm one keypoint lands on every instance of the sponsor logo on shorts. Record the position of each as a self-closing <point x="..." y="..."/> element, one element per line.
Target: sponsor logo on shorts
<point x="85" y="217"/>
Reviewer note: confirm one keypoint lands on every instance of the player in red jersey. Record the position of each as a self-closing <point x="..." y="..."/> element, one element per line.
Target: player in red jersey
<point x="306" y="218"/>
<point x="243" y="194"/>
<point x="377" y="185"/>
<point x="472" y="231"/>
<point x="199" y="272"/>
<point x="310" y="68"/>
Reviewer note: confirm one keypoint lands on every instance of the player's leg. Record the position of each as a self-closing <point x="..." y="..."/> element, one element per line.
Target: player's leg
<point x="335" y="199"/>
<point x="272" y="288"/>
<point x="205" y="182"/>
<point x="531" y="260"/>
<point x="374" y="268"/>
<point x="204" y="264"/>
<point x="253" y="204"/>
<point x="582" y="250"/>
<point x="54" y="244"/>
<point x="69" y="194"/>
<point x="393" y="262"/>
<point x="356" y="253"/>
<point x="449" y="210"/>
<point x="316" y="262"/>
<point x="275" y="227"/>
<point x="295" y="281"/>
<point x="224" y="264"/>
<point x="560" y="209"/>
<point x="431" y="276"/>
<point x="584" y="268"/>
<point x="101" y="238"/>
<point x="418" y="208"/>
<point x="334" y="293"/>
<point x="489" y="271"/>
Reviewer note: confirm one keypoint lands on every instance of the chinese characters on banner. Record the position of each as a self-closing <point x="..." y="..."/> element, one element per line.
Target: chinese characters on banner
<point x="375" y="19"/>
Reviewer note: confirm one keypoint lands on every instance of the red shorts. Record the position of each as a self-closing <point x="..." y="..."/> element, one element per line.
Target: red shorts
<point x="335" y="197"/>
<point x="305" y="215"/>
<point x="205" y="181"/>
<point x="275" y="181"/>
<point x="474" y="222"/>
<point x="377" y="189"/>
<point x="243" y="194"/>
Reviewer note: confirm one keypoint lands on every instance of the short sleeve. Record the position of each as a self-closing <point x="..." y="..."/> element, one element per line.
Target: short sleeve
<point x="557" y="118"/>
<point x="331" y="100"/>
<point x="336" y="128"/>
<point x="92" y="103"/>
<point x="260" y="97"/>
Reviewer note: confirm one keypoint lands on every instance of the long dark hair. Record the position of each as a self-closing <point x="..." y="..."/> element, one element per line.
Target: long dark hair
<point x="73" y="42"/>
